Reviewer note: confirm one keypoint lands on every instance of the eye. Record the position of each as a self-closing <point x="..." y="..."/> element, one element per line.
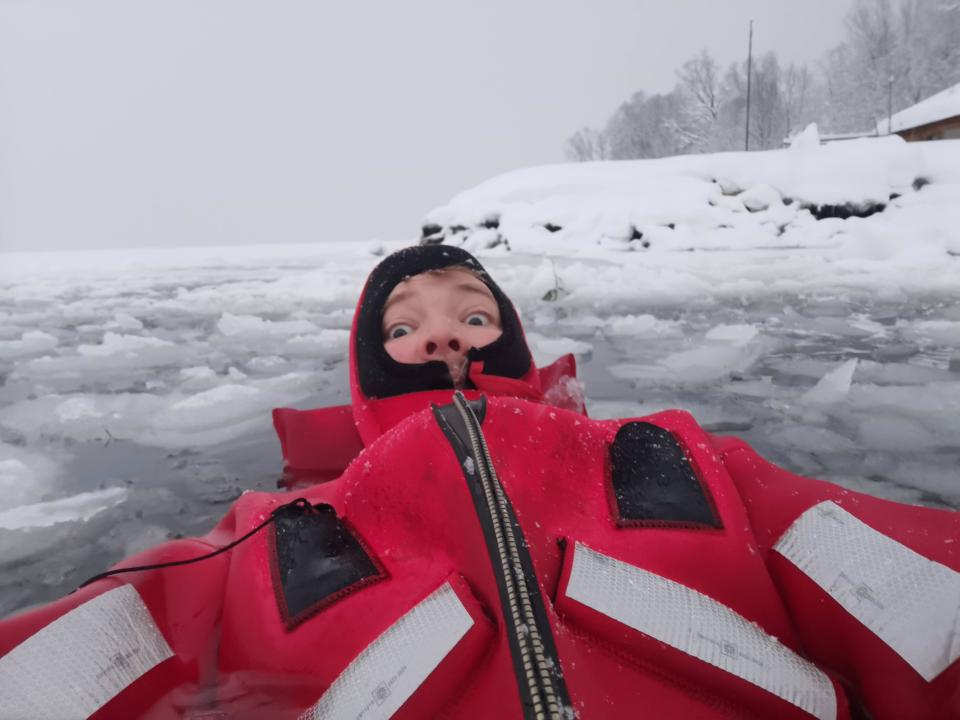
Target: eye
<point x="398" y="331"/>
<point x="478" y="318"/>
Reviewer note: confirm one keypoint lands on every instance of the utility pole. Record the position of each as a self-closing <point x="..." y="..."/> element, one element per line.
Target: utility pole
<point x="890" y="105"/>
<point x="746" y="140"/>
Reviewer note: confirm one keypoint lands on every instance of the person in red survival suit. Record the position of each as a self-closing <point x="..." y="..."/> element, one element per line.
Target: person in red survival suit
<point x="486" y="550"/>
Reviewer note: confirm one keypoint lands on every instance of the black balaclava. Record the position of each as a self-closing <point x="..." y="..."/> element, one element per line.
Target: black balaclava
<point x="380" y="375"/>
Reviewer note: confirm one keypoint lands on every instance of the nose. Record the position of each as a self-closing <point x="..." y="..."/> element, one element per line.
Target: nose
<point x="442" y="342"/>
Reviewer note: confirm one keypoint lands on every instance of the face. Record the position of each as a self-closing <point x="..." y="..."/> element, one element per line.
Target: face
<point x="440" y="316"/>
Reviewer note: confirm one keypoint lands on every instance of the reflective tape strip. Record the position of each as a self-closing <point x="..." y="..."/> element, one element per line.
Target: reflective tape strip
<point x="699" y="626"/>
<point x="908" y="601"/>
<point x="392" y="667"/>
<point x="82" y="660"/>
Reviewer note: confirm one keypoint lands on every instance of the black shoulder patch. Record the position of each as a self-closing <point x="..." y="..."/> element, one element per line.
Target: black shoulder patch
<point x="654" y="482"/>
<point x="316" y="560"/>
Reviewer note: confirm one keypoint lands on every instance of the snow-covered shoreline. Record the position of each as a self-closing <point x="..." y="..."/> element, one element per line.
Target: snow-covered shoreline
<point x="731" y="201"/>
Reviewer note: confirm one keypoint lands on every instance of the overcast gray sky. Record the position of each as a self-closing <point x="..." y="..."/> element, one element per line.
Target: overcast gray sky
<point x="135" y="123"/>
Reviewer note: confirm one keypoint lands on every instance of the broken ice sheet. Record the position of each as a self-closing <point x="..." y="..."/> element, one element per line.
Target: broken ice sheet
<point x="832" y="387"/>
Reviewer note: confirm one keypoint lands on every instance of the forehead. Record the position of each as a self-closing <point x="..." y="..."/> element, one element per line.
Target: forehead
<point x="434" y="285"/>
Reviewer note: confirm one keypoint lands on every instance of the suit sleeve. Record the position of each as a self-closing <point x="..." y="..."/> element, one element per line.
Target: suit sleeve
<point x="114" y="648"/>
<point x="873" y="586"/>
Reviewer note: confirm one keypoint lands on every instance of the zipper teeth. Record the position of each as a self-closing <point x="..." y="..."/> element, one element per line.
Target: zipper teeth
<point x="513" y="572"/>
<point x="542" y="664"/>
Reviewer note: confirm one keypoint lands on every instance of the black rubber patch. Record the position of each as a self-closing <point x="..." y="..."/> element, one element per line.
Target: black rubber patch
<point x="654" y="482"/>
<point x="316" y="560"/>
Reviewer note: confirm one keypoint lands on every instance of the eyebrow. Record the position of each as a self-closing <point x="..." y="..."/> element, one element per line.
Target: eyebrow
<point x="478" y="289"/>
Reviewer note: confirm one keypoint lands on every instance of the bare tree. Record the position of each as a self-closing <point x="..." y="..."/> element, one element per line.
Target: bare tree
<point x="588" y="144"/>
<point x="700" y="78"/>
<point x="797" y="92"/>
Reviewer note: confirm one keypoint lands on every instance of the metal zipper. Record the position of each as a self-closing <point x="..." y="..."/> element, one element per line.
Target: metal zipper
<point x="537" y="667"/>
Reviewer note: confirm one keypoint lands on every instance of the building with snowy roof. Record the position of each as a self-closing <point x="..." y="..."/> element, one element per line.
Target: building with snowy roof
<point x="936" y="118"/>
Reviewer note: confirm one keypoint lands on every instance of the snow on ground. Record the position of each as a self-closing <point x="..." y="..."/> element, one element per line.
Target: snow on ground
<point x="135" y="387"/>
<point x="725" y="202"/>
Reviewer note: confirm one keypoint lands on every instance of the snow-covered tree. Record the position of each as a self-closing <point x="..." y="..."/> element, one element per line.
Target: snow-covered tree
<point x="894" y="54"/>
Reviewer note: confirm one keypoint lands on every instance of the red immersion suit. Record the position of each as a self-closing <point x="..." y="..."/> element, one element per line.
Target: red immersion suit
<point x="500" y="555"/>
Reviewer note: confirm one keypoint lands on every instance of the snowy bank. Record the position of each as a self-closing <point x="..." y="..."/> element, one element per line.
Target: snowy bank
<point x="871" y="198"/>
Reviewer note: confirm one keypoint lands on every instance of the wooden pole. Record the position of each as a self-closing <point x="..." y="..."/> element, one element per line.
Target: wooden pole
<point x="890" y="106"/>
<point x="746" y="140"/>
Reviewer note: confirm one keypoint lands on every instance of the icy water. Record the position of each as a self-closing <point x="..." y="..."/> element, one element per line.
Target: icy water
<point x="110" y="451"/>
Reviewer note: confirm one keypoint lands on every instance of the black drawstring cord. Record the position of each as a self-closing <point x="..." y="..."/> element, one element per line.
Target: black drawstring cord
<point x="301" y="505"/>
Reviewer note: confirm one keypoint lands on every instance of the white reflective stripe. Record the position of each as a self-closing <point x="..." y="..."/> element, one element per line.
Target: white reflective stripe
<point x="699" y="626"/>
<point x="910" y="602"/>
<point x="392" y="667"/>
<point x="82" y="660"/>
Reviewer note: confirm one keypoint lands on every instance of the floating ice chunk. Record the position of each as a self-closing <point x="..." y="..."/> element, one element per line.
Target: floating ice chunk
<point x="707" y="363"/>
<point x="235" y="374"/>
<point x="934" y="404"/>
<point x="734" y="334"/>
<point x="759" y="197"/>
<point x="269" y="364"/>
<point x="32" y="342"/>
<point x="211" y="410"/>
<point x="823" y="325"/>
<point x="580" y="322"/>
<point x="85" y="417"/>
<point x="547" y="349"/>
<point x="699" y="365"/>
<point x="802" y="366"/>
<point x="642" y="326"/>
<point x="127" y="345"/>
<point x="127" y="322"/>
<point x="900" y="373"/>
<point x="116" y="352"/>
<point x="77" y="408"/>
<point x="325" y="344"/>
<point x="832" y="387"/>
<point x="895" y="433"/>
<point x="14" y="472"/>
<point x="221" y="395"/>
<point x="813" y="439"/>
<point x="938" y="479"/>
<point x="945" y="332"/>
<point x="224" y="412"/>
<point x="253" y="326"/>
<point x="24" y="475"/>
<point x="77" y="508"/>
<point x="197" y="378"/>
<point x="545" y="282"/>
<point x="608" y="409"/>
